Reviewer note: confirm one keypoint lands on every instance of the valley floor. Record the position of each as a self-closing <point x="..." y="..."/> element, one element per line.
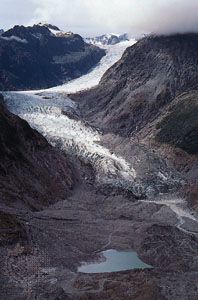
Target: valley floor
<point x="125" y="198"/>
<point x="64" y="235"/>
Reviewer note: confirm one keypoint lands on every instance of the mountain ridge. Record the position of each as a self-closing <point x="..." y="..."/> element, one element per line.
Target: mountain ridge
<point x="33" y="57"/>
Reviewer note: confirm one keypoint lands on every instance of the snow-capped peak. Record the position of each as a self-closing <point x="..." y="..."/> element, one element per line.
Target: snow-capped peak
<point x="55" y="30"/>
<point x="107" y="39"/>
<point x="49" y="26"/>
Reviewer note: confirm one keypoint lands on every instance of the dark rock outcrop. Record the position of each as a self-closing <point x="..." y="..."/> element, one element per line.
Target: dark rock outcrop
<point x="34" y="57"/>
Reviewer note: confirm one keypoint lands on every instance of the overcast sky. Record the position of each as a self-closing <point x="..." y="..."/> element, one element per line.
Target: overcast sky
<point x="92" y="17"/>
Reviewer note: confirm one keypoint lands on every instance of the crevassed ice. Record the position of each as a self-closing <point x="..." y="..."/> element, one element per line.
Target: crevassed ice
<point x="44" y="113"/>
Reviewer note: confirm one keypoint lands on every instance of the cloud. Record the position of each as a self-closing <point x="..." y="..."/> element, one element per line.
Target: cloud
<point x="14" y="38"/>
<point x="91" y="17"/>
<point x="14" y="12"/>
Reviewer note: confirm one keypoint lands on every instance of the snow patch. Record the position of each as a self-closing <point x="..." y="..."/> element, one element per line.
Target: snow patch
<point x="54" y="32"/>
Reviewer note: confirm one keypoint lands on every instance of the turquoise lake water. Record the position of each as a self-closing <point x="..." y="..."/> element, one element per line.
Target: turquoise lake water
<point x="115" y="261"/>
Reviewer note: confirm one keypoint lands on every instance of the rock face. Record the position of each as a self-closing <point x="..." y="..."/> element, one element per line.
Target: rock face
<point x="32" y="174"/>
<point x="107" y="39"/>
<point x="11" y="229"/>
<point x="140" y="87"/>
<point x="36" y="57"/>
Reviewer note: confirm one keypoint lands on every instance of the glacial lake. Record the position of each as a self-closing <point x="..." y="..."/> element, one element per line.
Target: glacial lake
<point x="115" y="261"/>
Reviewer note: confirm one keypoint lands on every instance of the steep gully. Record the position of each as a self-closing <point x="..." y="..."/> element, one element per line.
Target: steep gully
<point x="58" y="118"/>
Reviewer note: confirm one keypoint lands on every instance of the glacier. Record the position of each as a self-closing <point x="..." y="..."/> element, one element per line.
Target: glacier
<point x="45" y="111"/>
<point x="93" y="77"/>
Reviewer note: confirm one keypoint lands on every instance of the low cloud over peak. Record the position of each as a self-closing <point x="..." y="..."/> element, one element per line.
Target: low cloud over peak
<point x="91" y="17"/>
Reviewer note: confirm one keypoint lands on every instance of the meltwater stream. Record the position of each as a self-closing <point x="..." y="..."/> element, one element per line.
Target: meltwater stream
<point x="115" y="261"/>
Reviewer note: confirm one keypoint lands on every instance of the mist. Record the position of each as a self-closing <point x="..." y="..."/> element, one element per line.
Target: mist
<point x="92" y="17"/>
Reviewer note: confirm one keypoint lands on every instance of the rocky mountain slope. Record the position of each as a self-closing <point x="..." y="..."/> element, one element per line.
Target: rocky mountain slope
<point x="107" y="39"/>
<point x="150" y="96"/>
<point x="179" y="126"/>
<point x="138" y="89"/>
<point x="32" y="174"/>
<point x="38" y="57"/>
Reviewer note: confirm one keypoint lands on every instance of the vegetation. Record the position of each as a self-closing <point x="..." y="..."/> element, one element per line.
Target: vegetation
<point x="180" y="127"/>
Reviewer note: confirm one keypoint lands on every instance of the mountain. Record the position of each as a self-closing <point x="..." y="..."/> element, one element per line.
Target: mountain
<point x="1" y="31"/>
<point x="42" y="56"/>
<point x="107" y="39"/>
